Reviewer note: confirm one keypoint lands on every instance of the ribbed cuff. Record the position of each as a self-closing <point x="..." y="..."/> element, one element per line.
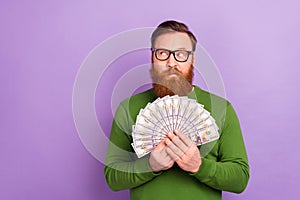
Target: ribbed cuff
<point x="207" y="170"/>
<point x="142" y="166"/>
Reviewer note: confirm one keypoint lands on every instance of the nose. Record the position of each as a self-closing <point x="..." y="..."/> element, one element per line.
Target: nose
<point x="171" y="62"/>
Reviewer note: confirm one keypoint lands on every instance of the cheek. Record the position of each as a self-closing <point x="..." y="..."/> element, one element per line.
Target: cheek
<point x="185" y="69"/>
<point x="159" y="66"/>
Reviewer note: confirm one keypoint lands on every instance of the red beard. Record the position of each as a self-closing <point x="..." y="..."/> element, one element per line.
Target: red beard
<point x="177" y="84"/>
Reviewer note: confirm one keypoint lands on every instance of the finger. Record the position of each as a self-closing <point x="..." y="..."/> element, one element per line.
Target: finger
<point x="174" y="148"/>
<point x="187" y="141"/>
<point x="171" y="135"/>
<point x="178" y="142"/>
<point x="161" y="145"/>
<point x="173" y="155"/>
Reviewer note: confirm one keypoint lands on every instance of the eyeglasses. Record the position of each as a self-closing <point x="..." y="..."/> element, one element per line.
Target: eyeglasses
<point x="164" y="54"/>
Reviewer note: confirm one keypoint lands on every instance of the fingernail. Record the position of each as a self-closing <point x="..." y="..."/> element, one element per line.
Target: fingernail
<point x="167" y="141"/>
<point x="171" y="135"/>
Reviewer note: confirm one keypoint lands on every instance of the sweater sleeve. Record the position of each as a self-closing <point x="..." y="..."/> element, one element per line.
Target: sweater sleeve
<point x="122" y="168"/>
<point x="230" y="172"/>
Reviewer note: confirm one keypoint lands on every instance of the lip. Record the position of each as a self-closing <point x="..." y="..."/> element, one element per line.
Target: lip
<point x="174" y="73"/>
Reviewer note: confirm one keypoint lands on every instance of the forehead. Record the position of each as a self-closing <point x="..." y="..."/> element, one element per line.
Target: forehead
<point x="173" y="41"/>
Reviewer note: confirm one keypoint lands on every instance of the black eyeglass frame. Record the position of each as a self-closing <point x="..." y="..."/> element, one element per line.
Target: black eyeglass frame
<point x="171" y="52"/>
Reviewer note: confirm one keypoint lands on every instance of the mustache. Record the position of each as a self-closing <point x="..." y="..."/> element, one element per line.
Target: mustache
<point x="172" y="71"/>
<point x="166" y="73"/>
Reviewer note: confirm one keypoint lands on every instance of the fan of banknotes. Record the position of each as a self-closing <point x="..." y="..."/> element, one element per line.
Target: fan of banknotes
<point x="166" y="114"/>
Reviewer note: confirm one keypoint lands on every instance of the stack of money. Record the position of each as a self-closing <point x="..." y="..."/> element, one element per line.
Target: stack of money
<point x="167" y="114"/>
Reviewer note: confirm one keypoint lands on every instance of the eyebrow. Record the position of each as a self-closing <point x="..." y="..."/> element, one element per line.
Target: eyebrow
<point x="182" y="48"/>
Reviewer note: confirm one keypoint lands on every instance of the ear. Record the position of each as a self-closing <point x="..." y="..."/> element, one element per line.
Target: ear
<point x="193" y="58"/>
<point x="152" y="56"/>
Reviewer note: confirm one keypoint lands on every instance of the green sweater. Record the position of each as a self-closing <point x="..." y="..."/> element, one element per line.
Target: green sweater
<point x="224" y="162"/>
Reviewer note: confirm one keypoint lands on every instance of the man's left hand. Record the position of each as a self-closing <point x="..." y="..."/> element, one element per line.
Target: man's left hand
<point x="184" y="151"/>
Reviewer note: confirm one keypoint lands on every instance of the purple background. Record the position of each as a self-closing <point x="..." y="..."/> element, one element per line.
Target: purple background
<point x="255" y="45"/>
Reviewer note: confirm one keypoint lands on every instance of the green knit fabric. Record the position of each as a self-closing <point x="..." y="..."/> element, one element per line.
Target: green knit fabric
<point x="224" y="162"/>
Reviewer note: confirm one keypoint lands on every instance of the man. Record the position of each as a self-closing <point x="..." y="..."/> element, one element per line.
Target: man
<point x="176" y="168"/>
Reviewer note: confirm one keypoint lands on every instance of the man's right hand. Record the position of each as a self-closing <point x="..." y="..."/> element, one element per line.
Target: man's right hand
<point x="159" y="159"/>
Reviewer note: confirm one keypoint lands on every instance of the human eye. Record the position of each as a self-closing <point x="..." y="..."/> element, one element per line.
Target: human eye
<point x="181" y="54"/>
<point x="162" y="52"/>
